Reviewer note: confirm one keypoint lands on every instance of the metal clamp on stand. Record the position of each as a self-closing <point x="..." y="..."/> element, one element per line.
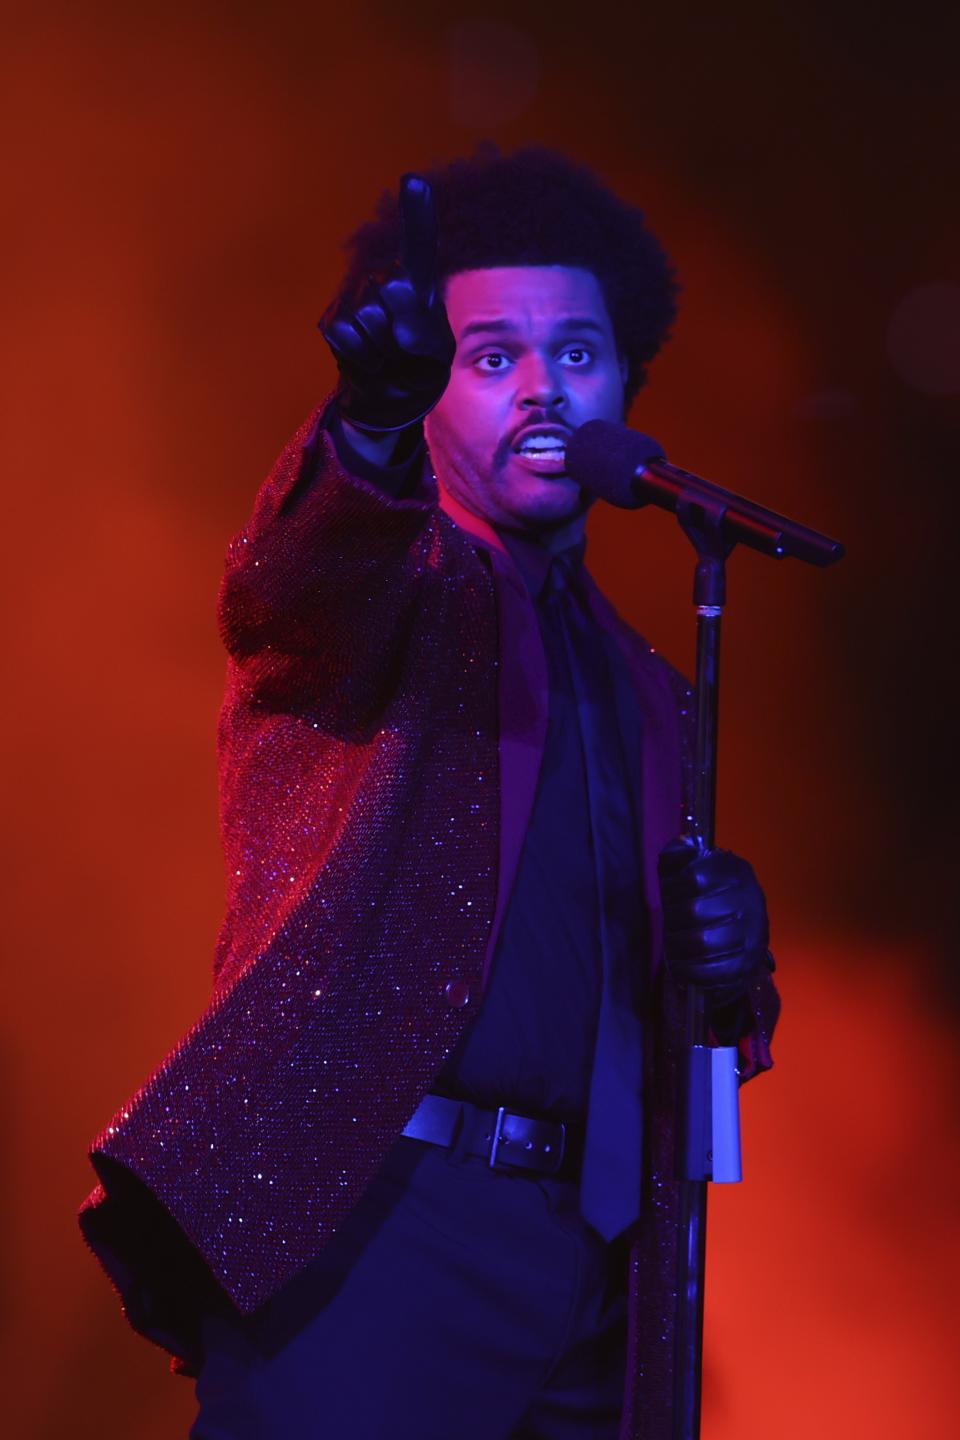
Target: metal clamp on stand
<point x="711" y="1139"/>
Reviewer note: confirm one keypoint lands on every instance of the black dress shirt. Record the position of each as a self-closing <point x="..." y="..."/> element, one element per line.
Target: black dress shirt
<point x="531" y="1045"/>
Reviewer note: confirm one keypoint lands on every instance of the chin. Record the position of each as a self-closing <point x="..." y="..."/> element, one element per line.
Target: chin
<point x="561" y="501"/>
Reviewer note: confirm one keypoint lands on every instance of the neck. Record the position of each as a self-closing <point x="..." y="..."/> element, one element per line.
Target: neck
<point x="552" y="540"/>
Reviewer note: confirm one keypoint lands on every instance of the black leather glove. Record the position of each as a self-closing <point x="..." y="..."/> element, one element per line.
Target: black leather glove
<point x="394" y="346"/>
<point x="715" y="928"/>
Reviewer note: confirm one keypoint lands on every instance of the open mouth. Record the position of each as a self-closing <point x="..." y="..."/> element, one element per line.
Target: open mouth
<point x="544" y="452"/>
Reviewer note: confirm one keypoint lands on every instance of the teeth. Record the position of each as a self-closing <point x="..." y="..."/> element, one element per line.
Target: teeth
<point x="540" y="444"/>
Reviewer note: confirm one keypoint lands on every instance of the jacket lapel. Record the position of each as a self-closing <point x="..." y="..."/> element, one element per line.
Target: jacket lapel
<point x="652" y="744"/>
<point x="523" y="699"/>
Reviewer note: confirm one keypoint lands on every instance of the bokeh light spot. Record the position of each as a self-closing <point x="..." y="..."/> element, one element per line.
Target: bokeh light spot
<point x="923" y="341"/>
<point x="493" y="72"/>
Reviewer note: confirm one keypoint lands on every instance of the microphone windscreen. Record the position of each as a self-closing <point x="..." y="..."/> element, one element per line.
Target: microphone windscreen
<point x="604" y="457"/>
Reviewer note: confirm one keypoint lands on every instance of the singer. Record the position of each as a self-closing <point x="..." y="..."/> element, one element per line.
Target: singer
<point x="411" y="1176"/>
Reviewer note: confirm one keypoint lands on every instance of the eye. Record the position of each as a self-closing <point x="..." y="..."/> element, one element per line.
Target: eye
<point x="578" y="356"/>
<point x="494" y="360"/>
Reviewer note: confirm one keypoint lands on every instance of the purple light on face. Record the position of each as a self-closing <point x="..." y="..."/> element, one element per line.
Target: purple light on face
<point x="493" y="73"/>
<point x="923" y="341"/>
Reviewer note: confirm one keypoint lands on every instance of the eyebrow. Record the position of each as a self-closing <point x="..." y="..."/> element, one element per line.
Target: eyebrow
<point x="500" y="327"/>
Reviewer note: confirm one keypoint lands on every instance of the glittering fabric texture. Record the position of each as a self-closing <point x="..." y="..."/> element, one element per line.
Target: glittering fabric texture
<point x="365" y="722"/>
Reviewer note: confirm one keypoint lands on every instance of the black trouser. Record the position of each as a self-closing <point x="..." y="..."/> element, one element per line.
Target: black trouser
<point x="457" y="1302"/>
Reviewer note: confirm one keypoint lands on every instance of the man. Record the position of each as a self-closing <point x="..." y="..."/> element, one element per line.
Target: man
<point x="411" y="1174"/>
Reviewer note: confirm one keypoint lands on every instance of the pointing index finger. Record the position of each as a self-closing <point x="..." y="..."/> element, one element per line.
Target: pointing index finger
<point x="418" y="242"/>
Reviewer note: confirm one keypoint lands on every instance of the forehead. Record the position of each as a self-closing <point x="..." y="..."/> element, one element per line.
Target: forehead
<point x="527" y="296"/>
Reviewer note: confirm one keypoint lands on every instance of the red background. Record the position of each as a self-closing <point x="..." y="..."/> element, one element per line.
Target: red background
<point x="179" y="182"/>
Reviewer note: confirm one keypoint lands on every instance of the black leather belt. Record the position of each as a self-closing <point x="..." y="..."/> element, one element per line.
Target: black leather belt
<point x="506" y="1140"/>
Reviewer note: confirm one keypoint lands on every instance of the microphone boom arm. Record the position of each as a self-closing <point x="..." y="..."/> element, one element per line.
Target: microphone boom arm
<point x="629" y="469"/>
<point x="743" y="521"/>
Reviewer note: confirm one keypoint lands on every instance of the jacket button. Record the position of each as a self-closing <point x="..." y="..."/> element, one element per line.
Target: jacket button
<point x="457" y="993"/>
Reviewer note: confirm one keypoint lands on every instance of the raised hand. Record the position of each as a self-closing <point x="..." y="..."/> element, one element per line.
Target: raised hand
<point x="394" y="347"/>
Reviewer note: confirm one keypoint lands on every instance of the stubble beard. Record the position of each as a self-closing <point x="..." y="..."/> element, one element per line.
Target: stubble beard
<point x="474" y="485"/>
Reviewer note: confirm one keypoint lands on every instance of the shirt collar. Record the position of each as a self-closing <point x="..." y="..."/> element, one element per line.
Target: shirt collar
<point x="535" y="562"/>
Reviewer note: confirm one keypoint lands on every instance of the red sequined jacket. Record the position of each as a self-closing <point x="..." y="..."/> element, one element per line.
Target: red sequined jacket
<point x="379" y="746"/>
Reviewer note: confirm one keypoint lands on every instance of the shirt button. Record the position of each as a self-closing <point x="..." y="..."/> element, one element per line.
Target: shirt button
<point x="457" y="993"/>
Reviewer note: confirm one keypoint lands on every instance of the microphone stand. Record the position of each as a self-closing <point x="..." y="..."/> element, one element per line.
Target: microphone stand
<point x="703" y="526"/>
<point x="630" y="470"/>
<point x="713" y="520"/>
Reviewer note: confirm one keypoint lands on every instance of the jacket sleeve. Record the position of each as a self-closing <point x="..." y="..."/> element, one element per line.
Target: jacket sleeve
<point x="764" y="1008"/>
<point x="319" y="586"/>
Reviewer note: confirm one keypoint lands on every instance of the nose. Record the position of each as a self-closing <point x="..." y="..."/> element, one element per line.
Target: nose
<point x="540" y="384"/>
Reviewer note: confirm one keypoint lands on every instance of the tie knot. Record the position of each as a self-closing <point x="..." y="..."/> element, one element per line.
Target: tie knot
<point x="562" y="577"/>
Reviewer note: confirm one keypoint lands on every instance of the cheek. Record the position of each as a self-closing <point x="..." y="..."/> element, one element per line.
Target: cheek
<point x="452" y="410"/>
<point x="608" y="388"/>
<point x="602" y="399"/>
<point x="467" y="413"/>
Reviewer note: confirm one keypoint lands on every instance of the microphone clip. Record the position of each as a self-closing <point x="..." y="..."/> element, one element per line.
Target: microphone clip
<point x="701" y="520"/>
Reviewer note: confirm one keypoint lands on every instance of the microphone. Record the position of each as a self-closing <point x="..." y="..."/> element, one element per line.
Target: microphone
<point x="629" y="469"/>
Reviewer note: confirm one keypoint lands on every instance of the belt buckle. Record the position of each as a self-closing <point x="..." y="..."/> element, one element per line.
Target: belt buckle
<point x="535" y="1144"/>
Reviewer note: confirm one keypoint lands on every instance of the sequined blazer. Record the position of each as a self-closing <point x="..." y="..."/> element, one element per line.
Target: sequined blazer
<point x="379" y="746"/>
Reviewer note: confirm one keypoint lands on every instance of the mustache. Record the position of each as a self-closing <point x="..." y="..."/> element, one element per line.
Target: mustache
<point x="545" y="416"/>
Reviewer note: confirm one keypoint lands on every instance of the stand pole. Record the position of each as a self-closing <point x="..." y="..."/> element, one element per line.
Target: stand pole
<point x="702" y="524"/>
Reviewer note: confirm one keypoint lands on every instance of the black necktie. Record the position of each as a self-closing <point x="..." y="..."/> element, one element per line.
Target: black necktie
<point x="610" y="1181"/>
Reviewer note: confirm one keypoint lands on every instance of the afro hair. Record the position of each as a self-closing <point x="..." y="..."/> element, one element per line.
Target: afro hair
<point x="536" y="207"/>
